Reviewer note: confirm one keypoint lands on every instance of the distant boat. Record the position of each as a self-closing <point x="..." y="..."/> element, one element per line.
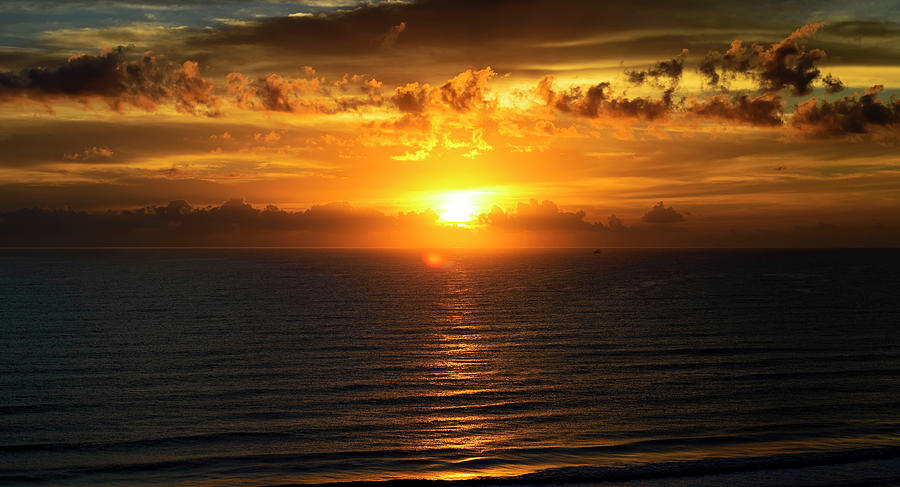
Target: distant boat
<point x="598" y="251"/>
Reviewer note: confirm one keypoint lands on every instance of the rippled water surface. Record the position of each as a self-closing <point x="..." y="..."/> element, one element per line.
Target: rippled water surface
<point x="265" y="367"/>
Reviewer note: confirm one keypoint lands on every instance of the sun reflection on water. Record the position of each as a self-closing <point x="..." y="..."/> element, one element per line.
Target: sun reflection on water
<point x="462" y="366"/>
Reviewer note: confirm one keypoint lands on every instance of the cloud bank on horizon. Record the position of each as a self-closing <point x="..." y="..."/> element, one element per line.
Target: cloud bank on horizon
<point x="743" y="120"/>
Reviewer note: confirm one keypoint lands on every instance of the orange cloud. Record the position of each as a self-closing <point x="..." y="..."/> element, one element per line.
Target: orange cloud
<point x="411" y="98"/>
<point x="276" y="93"/>
<point x="192" y="92"/>
<point x="90" y="153"/>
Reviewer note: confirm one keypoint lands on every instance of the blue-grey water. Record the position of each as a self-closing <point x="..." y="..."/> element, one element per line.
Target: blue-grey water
<point x="287" y="366"/>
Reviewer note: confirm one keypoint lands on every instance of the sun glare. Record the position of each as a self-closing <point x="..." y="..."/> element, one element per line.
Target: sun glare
<point x="433" y="259"/>
<point x="458" y="207"/>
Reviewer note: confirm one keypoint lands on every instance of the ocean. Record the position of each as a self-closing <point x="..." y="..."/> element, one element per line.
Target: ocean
<point x="637" y="367"/>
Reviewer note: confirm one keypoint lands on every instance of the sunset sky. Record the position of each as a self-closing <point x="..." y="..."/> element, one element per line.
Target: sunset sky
<point x="451" y="122"/>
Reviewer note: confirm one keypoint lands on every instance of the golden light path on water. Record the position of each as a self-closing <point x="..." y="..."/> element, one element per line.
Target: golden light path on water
<point x="462" y="362"/>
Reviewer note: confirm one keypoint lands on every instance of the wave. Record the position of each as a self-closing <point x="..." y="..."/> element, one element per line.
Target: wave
<point x="403" y="466"/>
<point x="888" y="474"/>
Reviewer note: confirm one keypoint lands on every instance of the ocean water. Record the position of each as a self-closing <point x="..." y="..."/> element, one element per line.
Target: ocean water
<point x="284" y="366"/>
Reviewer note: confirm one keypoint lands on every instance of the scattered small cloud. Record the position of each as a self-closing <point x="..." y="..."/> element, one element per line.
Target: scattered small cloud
<point x="94" y="152"/>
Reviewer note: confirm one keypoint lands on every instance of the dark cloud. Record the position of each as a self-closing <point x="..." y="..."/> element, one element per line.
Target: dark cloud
<point x="662" y="214"/>
<point x="665" y="74"/>
<point x="785" y="65"/>
<point x="144" y="83"/>
<point x="763" y="110"/>
<point x="852" y="115"/>
<point x="235" y="222"/>
<point x="107" y="76"/>
<point x="441" y="22"/>
<point x="534" y="216"/>
<point x="510" y="35"/>
<point x="614" y="223"/>
<point x="599" y="100"/>
<point x="832" y="84"/>
<point x="442" y="36"/>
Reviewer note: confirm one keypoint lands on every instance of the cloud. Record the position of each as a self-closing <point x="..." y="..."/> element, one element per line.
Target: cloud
<point x="614" y="223"/>
<point x="149" y="82"/>
<point x="662" y="214"/>
<point x="411" y="98"/>
<point x="90" y="153"/>
<point x="784" y="65"/>
<point x="599" y="100"/>
<point x="513" y="33"/>
<point x="454" y="116"/>
<point x="853" y="115"/>
<point x="390" y="38"/>
<point x="832" y="84"/>
<point x="193" y="92"/>
<point x="274" y="92"/>
<point x="111" y="77"/>
<point x="466" y="90"/>
<point x="277" y="93"/>
<point x="762" y="110"/>
<point x="235" y="222"/>
<point x="367" y="85"/>
<point x="665" y="74"/>
<point x="534" y="216"/>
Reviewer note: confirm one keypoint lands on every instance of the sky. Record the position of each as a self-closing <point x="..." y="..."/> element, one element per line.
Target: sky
<point x="450" y="123"/>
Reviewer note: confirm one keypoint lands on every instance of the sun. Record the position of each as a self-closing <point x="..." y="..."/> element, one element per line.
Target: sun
<point x="458" y="207"/>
